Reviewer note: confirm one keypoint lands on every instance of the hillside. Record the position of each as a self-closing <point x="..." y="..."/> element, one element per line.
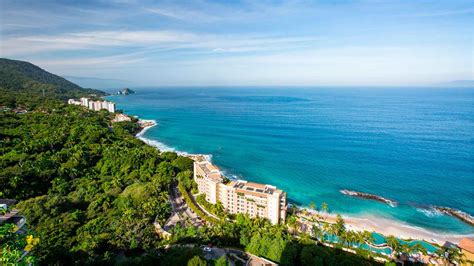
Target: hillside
<point x="91" y="191"/>
<point x="24" y="77"/>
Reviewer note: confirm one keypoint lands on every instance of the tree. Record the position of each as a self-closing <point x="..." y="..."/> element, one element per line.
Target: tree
<point x="13" y="244"/>
<point x="394" y="244"/>
<point x="197" y="261"/>
<point x="324" y="207"/>
<point x="339" y="228"/>
<point x="451" y="254"/>
<point x="222" y="261"/>
<point x="419" y="248"/>
<point x="305" y="239"/>
<point x="292" y="222"/>
<point x="318" y="232"/>
<point x="183" y="163"/>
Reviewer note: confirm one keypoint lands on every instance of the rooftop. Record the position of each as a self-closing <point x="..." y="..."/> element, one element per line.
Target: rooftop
<point x="258" y="188"/>
<point x="211" y="171"/>
<point x="467" y="244"/>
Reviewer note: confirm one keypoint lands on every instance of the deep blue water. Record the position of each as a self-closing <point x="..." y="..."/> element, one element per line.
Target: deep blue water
<point x="412" y="145"/>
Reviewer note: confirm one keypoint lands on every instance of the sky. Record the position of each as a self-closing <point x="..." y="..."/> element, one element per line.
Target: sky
<point x="244" y="43"/>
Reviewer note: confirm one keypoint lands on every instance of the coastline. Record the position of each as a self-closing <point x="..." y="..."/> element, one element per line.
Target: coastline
<point x="367" y="222"/>
<point x="391" y="227"/>
<point x="147" y="124"/>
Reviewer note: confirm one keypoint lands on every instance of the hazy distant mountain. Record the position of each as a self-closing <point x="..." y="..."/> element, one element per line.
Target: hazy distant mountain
<point x="458" y="83"/>
<point x="99" y="83"/>
<point x="21" y="76"/>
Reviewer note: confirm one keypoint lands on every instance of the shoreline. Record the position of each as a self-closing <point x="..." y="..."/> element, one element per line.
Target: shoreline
<point x="356" y="223"/>
<point x="388" y="227"/>
<point x="159" y="145"/>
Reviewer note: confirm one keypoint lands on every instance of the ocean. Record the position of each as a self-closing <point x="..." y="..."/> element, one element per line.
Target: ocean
<point x="414" y="146"/>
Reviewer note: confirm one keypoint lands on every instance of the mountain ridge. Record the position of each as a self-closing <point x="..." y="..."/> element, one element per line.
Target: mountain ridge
<point x="22" y="76"/>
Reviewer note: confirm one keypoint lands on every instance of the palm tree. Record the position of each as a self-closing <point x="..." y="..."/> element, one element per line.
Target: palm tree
<point x="318" y="233"/>
<point x="359" y="238"/>
<point x="351" y="237"/>
<point x="394" y="244"/>
<point x="406" y="249"/>
<point x="305" y="239"/>
<point x="419" y="248"/>
<point x="324" y="207"/>
<point x="339" y="226"/>
<point x="292" y="222"/>
<point x="454" y="255"/>
<point x="368" y="237"/>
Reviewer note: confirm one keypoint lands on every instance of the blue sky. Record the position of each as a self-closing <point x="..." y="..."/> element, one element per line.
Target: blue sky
<point x="244" y="42"/>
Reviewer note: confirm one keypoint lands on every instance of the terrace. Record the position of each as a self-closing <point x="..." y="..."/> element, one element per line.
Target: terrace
<point x="254" y="188"/>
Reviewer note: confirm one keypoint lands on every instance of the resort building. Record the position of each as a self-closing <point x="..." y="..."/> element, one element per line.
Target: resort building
<point x="72" y="101"/>
<point x="121" y="118"/>
<point x="238" y="196"/>
<point x="94" y="105"/>
<point x="467" y="249"/>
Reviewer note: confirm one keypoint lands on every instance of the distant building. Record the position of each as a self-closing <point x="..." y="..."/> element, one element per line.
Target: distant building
<point x="121" y="118"/>
<point x="94" y="105"/>
<point x="254" y="199"/>
<point x="9" y="215"/>
<point x="467" y="248"/>
<point x="85" y="102"/>
<point x="19" y="110"/>
<point x="72" y="101"/>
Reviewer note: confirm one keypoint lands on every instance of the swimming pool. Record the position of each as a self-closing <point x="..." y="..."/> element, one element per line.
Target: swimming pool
<point x="385" y="251"/>
<point x="379" y="239"/>
<point x="430" y="248"/>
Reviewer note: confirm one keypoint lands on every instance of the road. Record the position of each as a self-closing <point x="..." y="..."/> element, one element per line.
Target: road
<point x="246" y="258"/>
<point x="180" y="211"/>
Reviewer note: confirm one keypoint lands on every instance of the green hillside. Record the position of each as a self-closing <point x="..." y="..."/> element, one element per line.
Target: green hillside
<point x="24" y="77"/>
<point x="91" y="191"/>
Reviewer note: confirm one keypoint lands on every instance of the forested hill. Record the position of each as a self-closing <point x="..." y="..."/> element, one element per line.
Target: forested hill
<point x="24" y="77"/>
<point x="91" y="192"/>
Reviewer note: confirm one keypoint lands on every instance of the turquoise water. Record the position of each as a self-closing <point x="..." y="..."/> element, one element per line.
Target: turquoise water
<point x="385" y="251"/>
<point x="411" y="145"/>
<point x="430" y="248"/>
<point x="378" y="239"/>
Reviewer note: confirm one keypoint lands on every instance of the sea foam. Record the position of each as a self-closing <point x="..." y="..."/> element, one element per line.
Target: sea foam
<point x="160" y="145"/>
<point x="429" y="212"/>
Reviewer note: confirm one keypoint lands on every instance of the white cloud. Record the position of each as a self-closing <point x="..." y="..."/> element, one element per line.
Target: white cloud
<point x="182" y="14"/>
<point x="152" y="41"/>
<point x="90" y="40"/>
<point x="442" y="13"/>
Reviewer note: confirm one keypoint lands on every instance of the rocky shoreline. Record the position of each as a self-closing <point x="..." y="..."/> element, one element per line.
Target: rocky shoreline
<point x="145" y="124"/>
<point x="363" y="195"/>
<point x="465" y="217"/>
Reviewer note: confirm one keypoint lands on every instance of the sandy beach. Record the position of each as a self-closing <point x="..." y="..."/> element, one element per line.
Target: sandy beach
<point x="368" y="223"/>
<point x="396" y="228"/>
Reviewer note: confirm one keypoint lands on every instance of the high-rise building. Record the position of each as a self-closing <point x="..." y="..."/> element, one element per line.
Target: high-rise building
<point x="238" y="196"/>
<point x="94" y="105"/>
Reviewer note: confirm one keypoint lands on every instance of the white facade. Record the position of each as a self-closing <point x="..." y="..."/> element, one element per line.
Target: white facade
<point x="254" y="199"/>
<point x="94" y="105"/>
<point x="72" y="101"/>
<point x="85" y="102"/>
<point x="121" y="118"/>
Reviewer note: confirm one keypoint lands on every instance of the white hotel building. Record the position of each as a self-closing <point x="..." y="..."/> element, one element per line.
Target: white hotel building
<point x="238" y="196"/>
<point x="94" y="105"/>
